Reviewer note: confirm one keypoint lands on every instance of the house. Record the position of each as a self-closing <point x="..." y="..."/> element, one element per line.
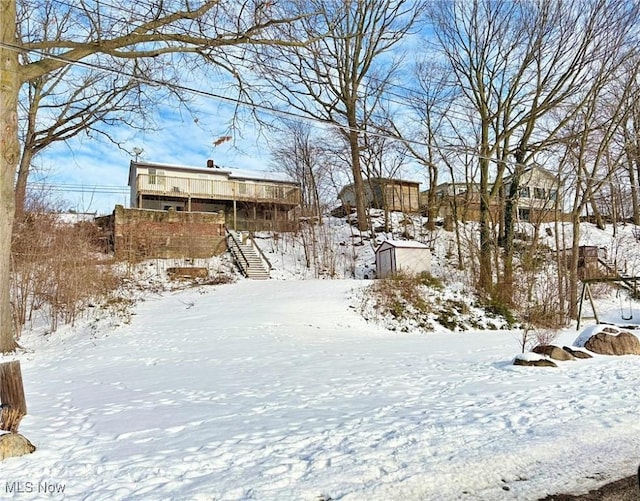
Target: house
<point x="402" y="255"/>
<point x="385" y="193"/>
<point x="459" y="202"/>
<point x="538" y="199"/>
<point x="538" y="194"/>
<point x="248" y="200"/>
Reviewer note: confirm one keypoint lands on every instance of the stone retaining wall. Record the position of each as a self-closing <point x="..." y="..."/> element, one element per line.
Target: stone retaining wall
<point x="139" y="234"/>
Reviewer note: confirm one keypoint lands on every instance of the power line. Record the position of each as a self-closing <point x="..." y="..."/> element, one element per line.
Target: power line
<point x="235" y="101"/>
<point x="461" y="149"/>
<point x="80" y="188"/>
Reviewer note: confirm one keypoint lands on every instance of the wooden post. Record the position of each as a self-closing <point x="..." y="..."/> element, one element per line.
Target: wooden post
<point x="14" y="406"/>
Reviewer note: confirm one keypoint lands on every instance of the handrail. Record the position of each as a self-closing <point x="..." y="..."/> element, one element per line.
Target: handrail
<point x="262" y="255"/>
<point x="215" y="188"/>
<point x="246" y="264"/>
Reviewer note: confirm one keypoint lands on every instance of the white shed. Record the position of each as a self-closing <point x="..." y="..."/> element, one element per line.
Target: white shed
<point x="402" y="255"/>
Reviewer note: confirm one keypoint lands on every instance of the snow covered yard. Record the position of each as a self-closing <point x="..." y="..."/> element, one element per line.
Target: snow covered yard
<point x="279" y="390"/>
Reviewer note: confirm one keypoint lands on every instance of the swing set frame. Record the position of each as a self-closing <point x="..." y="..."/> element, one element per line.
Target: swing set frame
<point x="630" y="284"/>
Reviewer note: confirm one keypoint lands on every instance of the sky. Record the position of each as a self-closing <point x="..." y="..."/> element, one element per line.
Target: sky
<point x="279" y="389"/>
<point x="90" y="174"/>
<point x="94" y="166"/>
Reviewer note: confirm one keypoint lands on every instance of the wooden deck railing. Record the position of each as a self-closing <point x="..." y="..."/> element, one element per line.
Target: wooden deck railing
<point x="217" y="189"/>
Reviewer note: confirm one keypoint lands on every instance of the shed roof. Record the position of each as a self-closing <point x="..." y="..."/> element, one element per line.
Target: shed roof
<point x="405" y="244"/>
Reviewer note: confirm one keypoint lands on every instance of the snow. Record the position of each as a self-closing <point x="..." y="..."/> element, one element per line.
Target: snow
<point x="280" y="389"/>
<point x="408" y="244"/>
<point x="530" y="356"/>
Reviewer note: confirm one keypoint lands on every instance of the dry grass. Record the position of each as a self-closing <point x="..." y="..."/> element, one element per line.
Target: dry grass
<point x="56" y="269"/>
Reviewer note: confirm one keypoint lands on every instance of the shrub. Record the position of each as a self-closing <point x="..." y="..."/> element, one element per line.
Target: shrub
<point x="56" y="268"/>
<point x="497" y="307"/>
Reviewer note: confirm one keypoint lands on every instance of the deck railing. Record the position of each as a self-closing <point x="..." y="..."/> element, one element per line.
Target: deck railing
<point x="217" y="189"/>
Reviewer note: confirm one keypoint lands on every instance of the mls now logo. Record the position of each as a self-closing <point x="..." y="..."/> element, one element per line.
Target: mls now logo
<point x="34" y="487"/>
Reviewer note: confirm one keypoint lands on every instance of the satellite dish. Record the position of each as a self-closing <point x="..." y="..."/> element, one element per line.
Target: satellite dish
<point x="137" y="151"/>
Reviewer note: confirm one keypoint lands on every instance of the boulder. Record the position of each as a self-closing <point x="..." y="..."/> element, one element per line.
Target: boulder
<point x="554" y="352"/>
<point x="576" y="353"/>
<point x="620" y="343"/>
<point x="13" y="445"/>
<point x="542" y="362"/>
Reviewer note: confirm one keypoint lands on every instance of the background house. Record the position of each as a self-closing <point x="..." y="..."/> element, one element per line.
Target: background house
<point x="402" y="255"/>
<point x="384" y="193"/>
<point x="248" y="200"/>
<point x="538" y="200"/>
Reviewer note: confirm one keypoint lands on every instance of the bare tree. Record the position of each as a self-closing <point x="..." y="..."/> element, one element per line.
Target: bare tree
<point x="424" y="138"/>
<point x="515" y="63"/>
<point x="341" y="77"/>
<point x="299" y="154"/>
<point x="590" y="160"/>
<point x="99" y="32"/>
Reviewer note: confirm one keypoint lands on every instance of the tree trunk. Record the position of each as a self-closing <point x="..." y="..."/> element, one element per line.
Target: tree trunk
<point x="9" y="154"/>
<point x="432" y="207"/>
<point x="510" y="209"/>
<point x="573" y="271"/>
<point x="485" y="280"/>
<point x="21" y="182"/>
<point x="358" y="183"/>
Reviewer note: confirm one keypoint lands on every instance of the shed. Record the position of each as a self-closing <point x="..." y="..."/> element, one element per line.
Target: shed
<point x="402" y="255"/>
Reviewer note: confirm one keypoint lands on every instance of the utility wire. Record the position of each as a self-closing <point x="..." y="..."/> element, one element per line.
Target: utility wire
<point x="267" y="109"/>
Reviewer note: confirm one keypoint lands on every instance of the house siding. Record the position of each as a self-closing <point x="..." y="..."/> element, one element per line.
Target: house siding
<point x="245" y="203"/>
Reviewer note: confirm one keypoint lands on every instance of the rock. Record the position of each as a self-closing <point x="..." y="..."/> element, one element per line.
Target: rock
<point x="554" y="352"/>
<point x="187" y="272"/>
<point x="622" y="343"/>
<point x="535" y="363"/>
<point x="576" y="353"/>
<point x="13" y="445"/>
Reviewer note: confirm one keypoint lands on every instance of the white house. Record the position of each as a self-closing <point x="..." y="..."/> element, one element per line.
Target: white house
<point x="249" y="200"/>
<point x="408" y="256"/>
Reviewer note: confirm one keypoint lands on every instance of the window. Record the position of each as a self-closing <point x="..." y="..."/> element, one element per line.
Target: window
<point x="156" y="176"/>
<point x="553" y="195"/>
<point x="539" y="193"/>
<point x="524" y="215"/>
<point x="525" y="192"/>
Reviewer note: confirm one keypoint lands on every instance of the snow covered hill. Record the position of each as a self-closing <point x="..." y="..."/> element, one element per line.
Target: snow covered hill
<point x="280" y="389"/>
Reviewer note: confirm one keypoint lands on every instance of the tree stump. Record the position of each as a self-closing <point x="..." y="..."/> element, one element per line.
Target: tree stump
<point x="14" y="406"/>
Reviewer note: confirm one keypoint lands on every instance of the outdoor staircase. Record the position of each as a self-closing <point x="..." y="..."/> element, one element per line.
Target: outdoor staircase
<point x="248" y="257"/>
<point x="623" y="279"/>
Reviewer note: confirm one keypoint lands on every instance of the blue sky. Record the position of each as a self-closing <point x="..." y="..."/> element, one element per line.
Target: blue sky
<point x="94" y="165"/>
<point x="85" y="168"/>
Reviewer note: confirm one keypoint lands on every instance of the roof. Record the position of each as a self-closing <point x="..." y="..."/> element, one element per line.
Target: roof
<point x="532" y="168"/>
<point x="380" y="180"/>
<point x="405" y="244"/>
<point x="239" y="174"/>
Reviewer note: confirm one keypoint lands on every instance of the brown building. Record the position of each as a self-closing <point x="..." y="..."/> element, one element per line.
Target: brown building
<point x="385" y="193"/>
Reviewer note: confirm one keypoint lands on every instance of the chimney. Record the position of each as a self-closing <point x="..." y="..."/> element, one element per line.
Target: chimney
<point x="210" y="164"/>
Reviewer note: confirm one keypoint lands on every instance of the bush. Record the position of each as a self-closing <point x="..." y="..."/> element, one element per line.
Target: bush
<point x="56" y="269"/>
<point x="497" y="307"/>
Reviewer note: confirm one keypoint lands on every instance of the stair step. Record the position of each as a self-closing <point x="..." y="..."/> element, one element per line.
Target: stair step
<point x="251" y="263"/>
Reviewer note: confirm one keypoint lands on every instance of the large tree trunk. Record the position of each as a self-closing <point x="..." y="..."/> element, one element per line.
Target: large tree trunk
<point x="510" y="216"/>
<point x="485" y="280"/>
<point x="9" y="154"/>
<point x="21" y="182"/>
<point x="358" y="183"/>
